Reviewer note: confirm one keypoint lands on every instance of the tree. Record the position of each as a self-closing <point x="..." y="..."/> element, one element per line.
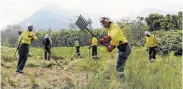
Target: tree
<point x="10" y="34"/>
<point x="122" y="22"/>
<point x="154" y="21"/>
<point x="180" y="20"/>
<point x="138" y="28"/>
<point x="90" y="23"/>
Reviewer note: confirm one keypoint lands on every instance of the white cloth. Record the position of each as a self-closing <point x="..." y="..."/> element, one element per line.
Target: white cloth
<point x="121" y="73"/>
<point x="46" y="36"/>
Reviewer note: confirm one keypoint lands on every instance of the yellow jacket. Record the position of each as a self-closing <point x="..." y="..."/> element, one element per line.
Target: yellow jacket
<point x="19" y="39"/>
<point x="25" y="39"/>
<point x="116" y="34"/>
<point x="94" y="41"/>
<point x="151" y="41"/>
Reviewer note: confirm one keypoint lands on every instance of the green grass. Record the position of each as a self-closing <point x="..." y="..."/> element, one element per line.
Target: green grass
<point x="85" y="73"/>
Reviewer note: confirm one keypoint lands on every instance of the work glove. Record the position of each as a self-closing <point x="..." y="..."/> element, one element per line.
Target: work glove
<point x="101" y="41"/>
<point x="32" y="37"/>
<point x="107" y="38"/>
<point x="110" y="48"/>
<point x="104" y="40"/>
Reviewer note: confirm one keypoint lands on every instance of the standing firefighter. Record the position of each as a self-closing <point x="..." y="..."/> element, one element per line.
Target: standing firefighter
<point x="19" y="39"/>
<point x="26" y="39"/>
<point x="76" y="44"/>
<point x="94" y="47"/>
<point x="116" y="39"/>
<point x="47" y="47"/>
<point x="151" y="44"/>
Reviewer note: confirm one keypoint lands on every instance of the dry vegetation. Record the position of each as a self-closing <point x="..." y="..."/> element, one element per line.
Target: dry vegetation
<point x="85" y="73"/>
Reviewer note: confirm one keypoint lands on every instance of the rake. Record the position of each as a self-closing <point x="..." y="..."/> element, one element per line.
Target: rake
<point x="82" y="24"/>
<point x="50" y="55"/>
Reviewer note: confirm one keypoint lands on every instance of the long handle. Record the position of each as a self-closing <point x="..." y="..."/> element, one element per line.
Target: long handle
<point x="50" y="55"/>
<point x="94" y="35"/>
<point x="89" y="53"/>
<point x="15" y="54"/>
<point x="17" y="48"/>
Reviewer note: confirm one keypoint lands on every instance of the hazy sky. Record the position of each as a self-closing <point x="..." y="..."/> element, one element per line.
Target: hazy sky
<point x="14" y="11"/>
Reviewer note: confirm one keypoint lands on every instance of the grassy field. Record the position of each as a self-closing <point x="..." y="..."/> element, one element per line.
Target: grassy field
<point x="85" y="73"/>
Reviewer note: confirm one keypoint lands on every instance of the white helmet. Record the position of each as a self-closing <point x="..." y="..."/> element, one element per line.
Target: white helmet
<point x="105" y="19"/>
<point x="30" y="26"/>
<point x="147" y="33"/>
<point x="46" y="36"/>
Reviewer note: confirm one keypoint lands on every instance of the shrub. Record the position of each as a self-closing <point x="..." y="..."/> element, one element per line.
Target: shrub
<point x="169" y="41"/>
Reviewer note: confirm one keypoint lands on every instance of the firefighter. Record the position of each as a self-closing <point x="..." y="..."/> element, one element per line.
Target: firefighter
<point x="26" y="38"/>
<point x="117" y="39"/>
<point x="47" y="42"/>
<point x="151" y="44"/>
<point x="76" y="44"/>
<point x="94" y="48"/>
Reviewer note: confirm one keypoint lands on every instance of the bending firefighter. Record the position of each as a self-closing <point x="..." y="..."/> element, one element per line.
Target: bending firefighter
<point x="76" y="44"/>
<point x="25" y="40"/>
<point x="116" y="39"/>
<point x="47" y="42"/>
<point x="94" y="48"/>
<point x="151" y="44"/>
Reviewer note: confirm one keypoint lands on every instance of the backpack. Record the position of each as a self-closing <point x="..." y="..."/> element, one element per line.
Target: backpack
<point x="46" y="42"/>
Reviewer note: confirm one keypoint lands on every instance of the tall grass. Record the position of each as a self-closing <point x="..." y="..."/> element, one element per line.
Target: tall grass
<point x="86" y="73"/>
<point x="141" y="74"/>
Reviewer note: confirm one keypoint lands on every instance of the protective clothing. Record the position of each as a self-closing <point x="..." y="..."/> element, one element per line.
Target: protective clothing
<point x="118" y="40"/>
<point x="27" y="37"/>
<point x="151" y="44"/>
<point x="104" y="40"/>
<point x="147" y="33"/>
<point x="47" y="47"/>
<point x="94" y="48"/>
<point x="116" y="35"/>
<point x="151" y="41"/>
<point x="105" y="19"/>
<point x="110" y="48"/>
<point x="94" y="41"/>
<point x="77" y="48"/>
<point x="25" y="40"/>
<point x="30" y="27"/>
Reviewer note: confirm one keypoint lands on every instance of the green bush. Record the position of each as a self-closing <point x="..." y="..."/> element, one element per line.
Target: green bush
<point x="169" y="41"/>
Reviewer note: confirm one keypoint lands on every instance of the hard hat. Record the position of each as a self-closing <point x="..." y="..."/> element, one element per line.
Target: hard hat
<point x="147" y="33"/>
<point x="30" y="27"/>
<point x="46" y="36"/>
<point x="105" y="19"/>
